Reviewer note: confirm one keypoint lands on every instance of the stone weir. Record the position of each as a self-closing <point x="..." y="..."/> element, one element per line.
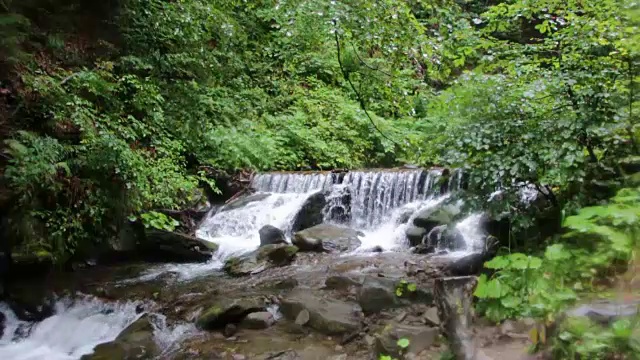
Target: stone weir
<point x="369" y="196"/>
<point x="411" y="182"/>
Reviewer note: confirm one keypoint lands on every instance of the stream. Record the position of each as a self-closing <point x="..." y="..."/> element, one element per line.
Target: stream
<point x="382" y="205"/>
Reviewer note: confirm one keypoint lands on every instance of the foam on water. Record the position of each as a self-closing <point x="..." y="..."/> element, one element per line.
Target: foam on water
<point x="74" y="330"/>
<point x="76" y="327"/>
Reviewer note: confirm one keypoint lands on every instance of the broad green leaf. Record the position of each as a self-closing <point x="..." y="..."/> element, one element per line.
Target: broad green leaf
<point x="403" y="343"/>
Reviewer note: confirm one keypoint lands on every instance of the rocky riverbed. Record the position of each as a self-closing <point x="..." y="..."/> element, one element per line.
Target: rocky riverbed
<point x="320" y="306"/>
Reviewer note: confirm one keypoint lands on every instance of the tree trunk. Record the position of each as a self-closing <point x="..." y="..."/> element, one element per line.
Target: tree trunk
<point x="454" y="299"/>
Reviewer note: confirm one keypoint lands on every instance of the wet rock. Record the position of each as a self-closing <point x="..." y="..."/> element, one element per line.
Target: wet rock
<point x="278" y="255"/>
<point x="327" y="237"/>
<point x="244" y="201"/>
<point x="176" y="247"/>
<point x="229" y="330"/>
<point x="286" y="284"/>
<point x="445" y="237"/>
<point x="342" y="282"/>
<point x="377" y="294"/>
<point x="331" y="317"/>
<point x="415" y="235"/>
<point x="420" y="338"/>
<point x="226" y="311"/>
<point x="473" y="263"/>
<point x="271" y="235"/>
<point x="431" y="317"/>
<point x="423" y="249"/>
<point x="311" y="212"/>
<point x="443" y="214"/>
<point x="134" y="342"/>
<point x="265" y="257"/>
<point x="258" y="320"/>
<point x="302" y="318"/>
<point x="467" y="265"/>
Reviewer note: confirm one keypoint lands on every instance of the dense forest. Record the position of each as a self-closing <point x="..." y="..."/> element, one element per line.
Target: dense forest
<point x="111" y="109"/>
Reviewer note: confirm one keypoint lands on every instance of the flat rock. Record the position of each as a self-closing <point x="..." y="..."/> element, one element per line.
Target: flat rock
<point x="327" y="237"/>
<point x="420" y="339"/>
<point x="331" y="317"/>
<point x="176" y="247"/>
<point x="431" y="317"/>
<point x="265" y="257"/>
<point x="343" y="282"/>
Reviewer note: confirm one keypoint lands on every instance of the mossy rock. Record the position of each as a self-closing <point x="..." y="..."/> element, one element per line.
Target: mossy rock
<point x="228" y="311"/>
<point x="134" y="342"/>
<point x="265" y="257"/>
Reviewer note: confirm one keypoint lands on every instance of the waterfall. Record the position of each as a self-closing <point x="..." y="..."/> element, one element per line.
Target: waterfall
<point x="236" y="230"/>
<point x="291" y="182"/>
<point x="376" y="194"/>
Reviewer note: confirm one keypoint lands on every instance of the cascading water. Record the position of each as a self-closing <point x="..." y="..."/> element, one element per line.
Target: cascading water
<point x="74" y="330"/>
<point x="76" y="327"/>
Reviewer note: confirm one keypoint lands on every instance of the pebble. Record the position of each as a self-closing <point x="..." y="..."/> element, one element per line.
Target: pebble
<point x="238" y="357"/>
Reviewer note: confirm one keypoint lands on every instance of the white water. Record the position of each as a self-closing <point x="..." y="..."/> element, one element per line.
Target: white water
<point x="76" y="327"/>
<point x="378" y="199"/>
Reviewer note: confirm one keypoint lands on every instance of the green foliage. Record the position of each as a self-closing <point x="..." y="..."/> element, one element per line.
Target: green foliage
<point x="159" y="221"/>
<point x="600" y="238"/>
<point x="581" y="338"/>
<point x="404" y="288"/>
<point x="403" y="343"/>
<point x="129" y="111"/>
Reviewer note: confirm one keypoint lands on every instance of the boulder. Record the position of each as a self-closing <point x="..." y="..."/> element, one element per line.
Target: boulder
<point x="330" y="317"/>
<point x="327" y="237"/>
<point x="176" y="247"/>
<point x="228" y="311"/>
<point x="258" y="320"/>
<point x="415" y="235"/>
<point x="377" y="294"/>
<point x="244" y="201"/>
<point x="277" y="254"/>
<point x="265" y="257"/>
<point x="134" y="342"/>
<point x="311" y="213"/>
<point x="271" y="235"/>
<point x="473" y="263"/>
<point x="443" y="214"/>
<point x="420" y="338"/>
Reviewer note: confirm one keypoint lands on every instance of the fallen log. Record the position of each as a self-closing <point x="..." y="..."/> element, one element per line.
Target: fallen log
<point x="454" y="299"/>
